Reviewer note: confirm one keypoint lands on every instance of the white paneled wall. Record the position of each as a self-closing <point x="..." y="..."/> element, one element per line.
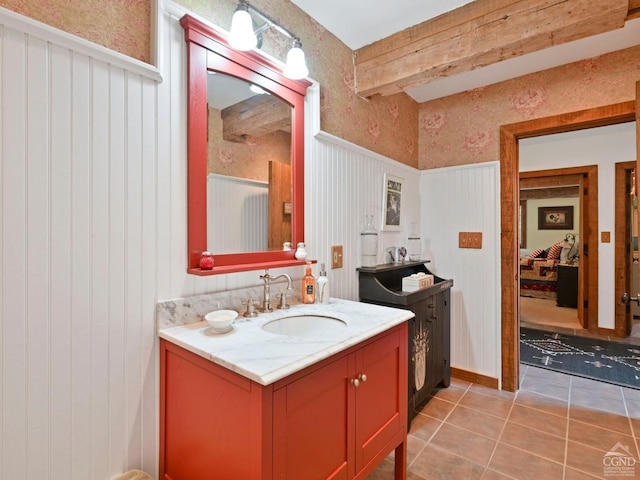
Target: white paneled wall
<point x="466" y="199"/>
<point x="343" y="183"/>
<point x="78" y="367"/>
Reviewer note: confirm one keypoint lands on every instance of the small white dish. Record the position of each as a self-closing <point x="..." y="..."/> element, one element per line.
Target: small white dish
<point x="216" y="331"/>
<point x="220" y="321"/>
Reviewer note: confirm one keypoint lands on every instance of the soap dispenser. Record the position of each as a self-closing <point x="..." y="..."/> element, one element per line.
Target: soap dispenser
<point x="308" y="286"/>
<point x="323" y="286"/>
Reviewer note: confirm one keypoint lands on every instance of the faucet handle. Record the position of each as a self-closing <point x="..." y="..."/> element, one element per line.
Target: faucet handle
<point x="283" y="301"/>
<point x="251" y="308"/>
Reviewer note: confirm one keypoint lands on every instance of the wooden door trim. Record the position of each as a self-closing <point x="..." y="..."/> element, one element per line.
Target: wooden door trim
<point x="509" y="201"/>
<point x="622" y="234"/>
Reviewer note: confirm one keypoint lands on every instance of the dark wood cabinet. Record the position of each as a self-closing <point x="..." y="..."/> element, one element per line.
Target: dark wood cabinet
<point x="429" y="331"/>
<point x="567" y="286"/>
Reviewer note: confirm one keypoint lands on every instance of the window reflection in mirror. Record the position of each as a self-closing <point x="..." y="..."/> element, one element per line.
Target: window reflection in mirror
<point x="248" y="166"/>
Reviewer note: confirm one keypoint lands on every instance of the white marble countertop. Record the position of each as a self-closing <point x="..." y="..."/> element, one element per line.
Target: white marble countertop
<point x="268" y="357"/>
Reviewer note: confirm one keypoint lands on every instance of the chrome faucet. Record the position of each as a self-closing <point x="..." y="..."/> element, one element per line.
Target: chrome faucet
<point x="266" y="299"/>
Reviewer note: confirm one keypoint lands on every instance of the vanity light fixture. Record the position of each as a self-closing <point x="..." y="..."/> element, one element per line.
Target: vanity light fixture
<point x="243" y="36"/>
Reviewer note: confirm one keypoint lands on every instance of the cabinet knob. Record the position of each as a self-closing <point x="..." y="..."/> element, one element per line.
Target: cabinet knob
<point x="355" y="382"/>
<point x="362" y="377"/>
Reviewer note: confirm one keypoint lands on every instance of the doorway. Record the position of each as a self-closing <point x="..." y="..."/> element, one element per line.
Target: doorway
<point x="563" y="300"/>
<point x="509" y="200"/>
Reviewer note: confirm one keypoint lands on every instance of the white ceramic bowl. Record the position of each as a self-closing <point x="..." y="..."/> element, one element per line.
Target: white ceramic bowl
<point x="221" y="319"/>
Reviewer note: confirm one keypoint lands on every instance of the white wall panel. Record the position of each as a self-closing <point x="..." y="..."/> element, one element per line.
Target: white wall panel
<point x="78" y="210"/>
<point x="343" y="183"/>
<point x="466" y="199"/>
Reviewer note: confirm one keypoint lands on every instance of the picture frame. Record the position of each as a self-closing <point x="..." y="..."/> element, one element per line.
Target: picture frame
<point x="392" y="203"/>
<point x="555" y="218"/>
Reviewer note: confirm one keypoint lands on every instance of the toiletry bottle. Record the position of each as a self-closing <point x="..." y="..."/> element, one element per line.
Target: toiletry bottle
<point x="308" y="286"/>
<point x="322" y="283"/>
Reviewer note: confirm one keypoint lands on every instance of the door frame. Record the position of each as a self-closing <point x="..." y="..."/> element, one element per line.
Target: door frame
<point x="622" y="235"/>
<point x="509" y="202"/>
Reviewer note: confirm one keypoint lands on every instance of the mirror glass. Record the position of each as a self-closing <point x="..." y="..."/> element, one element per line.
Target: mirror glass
<point x="248" y="167"/>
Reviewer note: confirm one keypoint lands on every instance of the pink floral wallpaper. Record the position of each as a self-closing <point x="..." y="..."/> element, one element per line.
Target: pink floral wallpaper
<point x="465" y="128"/>
<point x="121" y="25"/>
<point x="459" y="129"/>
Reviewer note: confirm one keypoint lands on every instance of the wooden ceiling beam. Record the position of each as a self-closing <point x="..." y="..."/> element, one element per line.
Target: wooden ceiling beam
<point x="479" y="34"/>
<point x="256" y="116"/>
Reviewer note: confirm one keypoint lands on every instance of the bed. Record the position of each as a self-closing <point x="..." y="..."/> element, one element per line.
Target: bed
<point x="538" y="268"/>
<point x="539" y="277"/>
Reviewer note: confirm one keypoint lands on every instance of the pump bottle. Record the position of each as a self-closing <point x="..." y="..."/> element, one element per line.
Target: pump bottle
<point x="322" y="283"/>
<point x="308" y="286"/>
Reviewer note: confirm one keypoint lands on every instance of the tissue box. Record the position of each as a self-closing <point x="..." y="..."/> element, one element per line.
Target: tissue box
<point x="416" y="281"/>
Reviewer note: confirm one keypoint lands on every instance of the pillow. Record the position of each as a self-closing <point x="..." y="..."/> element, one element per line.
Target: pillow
<point x="554" y="251"/>
<point x="536" y="253"/>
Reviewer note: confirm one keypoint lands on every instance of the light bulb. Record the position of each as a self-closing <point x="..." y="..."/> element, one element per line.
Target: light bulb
<point x="296" y="67"/>
<point x="242" y="36"/>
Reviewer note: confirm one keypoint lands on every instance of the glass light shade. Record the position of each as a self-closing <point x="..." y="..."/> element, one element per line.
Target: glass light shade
<point x="296" y="67"/>
<point x="242" y="36"/>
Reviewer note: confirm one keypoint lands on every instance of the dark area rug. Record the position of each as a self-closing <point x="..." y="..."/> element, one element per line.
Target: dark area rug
<point x="611" y="362"/>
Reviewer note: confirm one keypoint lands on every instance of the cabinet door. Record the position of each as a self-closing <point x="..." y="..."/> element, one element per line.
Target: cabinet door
<point x="379" y="410"/>
<point x="207" y="423"/>
<point x="313" y="437"/>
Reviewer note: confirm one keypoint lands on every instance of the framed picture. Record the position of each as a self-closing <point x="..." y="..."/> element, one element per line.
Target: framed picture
<point x="555" y="218"/>
<point x="391" y="202"/>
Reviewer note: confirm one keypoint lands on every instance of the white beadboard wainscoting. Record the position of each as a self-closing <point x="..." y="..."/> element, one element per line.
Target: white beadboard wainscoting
<point x="78" y="211"/>
<point x="343" y="183"/>
<point x="466" y="199"/>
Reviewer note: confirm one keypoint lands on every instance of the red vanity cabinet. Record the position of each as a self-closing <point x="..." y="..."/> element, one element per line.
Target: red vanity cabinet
<point x="314" y="424"/>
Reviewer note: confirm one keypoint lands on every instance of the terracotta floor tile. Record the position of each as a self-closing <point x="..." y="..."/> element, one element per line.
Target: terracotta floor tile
<point x="597" y="437"/>
<point x="451" y="394"/>
<point x="493" y="475"/>
<point x="539" y="420"/>
<point x="462" y="428"/>
<point x="492" y="392"/>
<point x="435" y="463"/>
<point x="545" y="403"/>
<point x="588" y="460"/>
<point x="543" y="444"/>
<point x="571" y="474"/>
<point x="600" y="418"/>
<point x="498" y="407"/>
<point x="481" y="423"/>
<point x="423" y="427"/>
<point x="524" y="465"/>
<point x="438" y="408"/>
<point x="464" y="443"/>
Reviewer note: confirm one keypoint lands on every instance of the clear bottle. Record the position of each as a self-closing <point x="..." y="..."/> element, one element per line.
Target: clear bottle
<point x="308" y="286"/>
<point x="414" y="243"/>
<point x="369" y="243"/>
<point x="322" y="284"/>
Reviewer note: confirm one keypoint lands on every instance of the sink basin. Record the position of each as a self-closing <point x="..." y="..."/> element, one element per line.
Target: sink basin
<point x="299" y="325"/>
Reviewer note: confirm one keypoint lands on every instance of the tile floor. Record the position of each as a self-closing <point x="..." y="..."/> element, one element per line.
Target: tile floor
<point x="556" y="426"/>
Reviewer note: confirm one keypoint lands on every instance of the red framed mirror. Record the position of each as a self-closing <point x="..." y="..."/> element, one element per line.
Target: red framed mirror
<point x="208" y="53"/>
